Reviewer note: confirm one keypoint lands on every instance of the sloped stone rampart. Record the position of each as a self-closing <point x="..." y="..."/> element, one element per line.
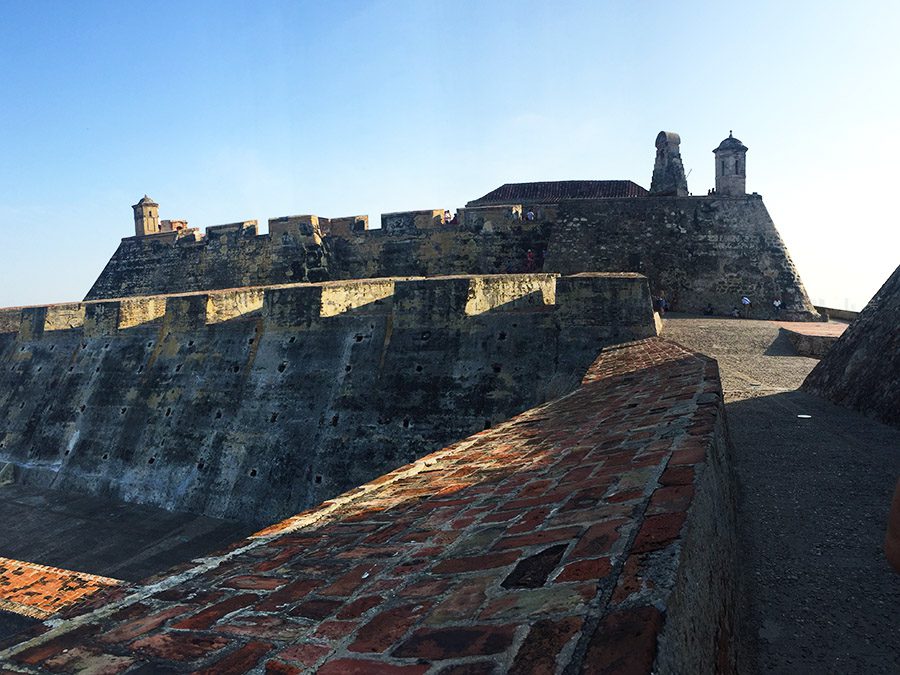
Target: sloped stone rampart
<point x="255" y="403"/>
<point x="694" y="250"/>
<point x="862" y="369"/>
<point x="590" y="534"/>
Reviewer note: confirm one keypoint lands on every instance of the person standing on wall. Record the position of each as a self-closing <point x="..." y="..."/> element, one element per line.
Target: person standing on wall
<point x="745" y="301"/>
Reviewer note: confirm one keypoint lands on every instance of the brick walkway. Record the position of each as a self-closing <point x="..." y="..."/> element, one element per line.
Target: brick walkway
<point x="551" y="541"/>
<point x="38" y="591"/>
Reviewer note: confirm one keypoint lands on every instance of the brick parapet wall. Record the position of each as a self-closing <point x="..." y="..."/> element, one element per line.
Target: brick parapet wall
<point x="591" y="534"/>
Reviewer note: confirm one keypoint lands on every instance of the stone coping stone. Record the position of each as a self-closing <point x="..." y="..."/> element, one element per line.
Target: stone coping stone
<point x="589" y="534"/>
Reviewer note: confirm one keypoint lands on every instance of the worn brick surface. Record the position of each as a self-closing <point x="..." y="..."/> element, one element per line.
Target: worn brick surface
<point x="39" y="591"/>
<point x="527" y="547"/>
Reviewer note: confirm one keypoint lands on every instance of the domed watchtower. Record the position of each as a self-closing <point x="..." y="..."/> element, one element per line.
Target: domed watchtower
<point x="146" y="217"/>
<point x="731" y="167"/>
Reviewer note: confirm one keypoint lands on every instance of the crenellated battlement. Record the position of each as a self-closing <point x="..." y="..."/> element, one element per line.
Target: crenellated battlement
<point x="411" y="301"/>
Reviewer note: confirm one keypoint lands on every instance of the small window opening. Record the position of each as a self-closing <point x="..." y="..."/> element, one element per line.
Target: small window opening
<point x="274" y="417"/>
<point x="318" y="479"/>
<point x="151" y="460"/>
<point x="282" y="366"/>
<point x="252" y="473"/>
<point x="200" y="466"/>
<point x="168" y="411"/>
<point x="406" y="423"/>
<point x="347" y="369"/>
<point x="218" y="414"/>
<point x="334" y="421"/>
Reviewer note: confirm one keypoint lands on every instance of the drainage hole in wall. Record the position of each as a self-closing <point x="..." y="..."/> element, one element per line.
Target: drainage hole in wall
<point x="123" y="410"/>
<point x="358" y="337"/>
<point x="141" y="369"/>
<point x="274" y="417"/>
<point x="418" y="369"/>
<point x="67" y="452"/>
<point x="318" y="479"/>
<point x="218" y="414"/>
<point x="149" y="344"/>
<point x="249" y="341"/>
<point x="200" y="466"/>
<point x="178" y="367"/>
<point x="52" y="347"/>
<point x="406" y="423"/>
<point x="97" y="369"/>
<point x="501" y="336"/>
<point x="84" y="345"/>
<point x="21" y="405"/>
<point x="282" y="366"/>
<point x="81" y="408"/>
<point x="106" y="346"/>
<point x="40" y="368"/>
<point x="291" y="341"/>
<point x="168" y="411"/>
<point x="487" y="424"/>
<point x="71" y="368"/>
<point x="106" y="455"/>
<point x="497" y="367"/>
<point x="190" y="343"/>
<point x="347" y="369"/>
<point x="252" y="473"/>
<point x="334" y="421"/>
<point x="236" y="369"/>
<point x="22" y="349"/>
<point x="151" y="460"/>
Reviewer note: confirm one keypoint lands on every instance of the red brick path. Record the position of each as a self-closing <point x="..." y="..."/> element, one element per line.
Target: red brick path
<point x="545" y="541"/>
<point x="39" y="591"/>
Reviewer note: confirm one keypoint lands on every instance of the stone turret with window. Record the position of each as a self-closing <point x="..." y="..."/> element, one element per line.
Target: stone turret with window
<point x="731" y="167"/>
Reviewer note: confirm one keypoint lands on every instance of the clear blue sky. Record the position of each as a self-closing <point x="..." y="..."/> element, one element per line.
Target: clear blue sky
<point x="225" y="111"/>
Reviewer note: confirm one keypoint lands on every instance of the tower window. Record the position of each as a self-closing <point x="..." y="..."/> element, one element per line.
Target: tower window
<point x="737" y="166"/>
<point x="723" y="166"/>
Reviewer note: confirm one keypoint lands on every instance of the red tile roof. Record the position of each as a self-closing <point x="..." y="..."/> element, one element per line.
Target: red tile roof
<point x="545" y="192"/>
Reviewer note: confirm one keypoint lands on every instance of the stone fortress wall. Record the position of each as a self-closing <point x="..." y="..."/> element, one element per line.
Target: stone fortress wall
<point x="695" y="251"/>
<point x="259" y="402"/>
<point x="862" y="369"/>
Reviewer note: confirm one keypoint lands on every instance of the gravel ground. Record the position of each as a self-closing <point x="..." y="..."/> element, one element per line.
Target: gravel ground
<point x="812" y="508"/>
